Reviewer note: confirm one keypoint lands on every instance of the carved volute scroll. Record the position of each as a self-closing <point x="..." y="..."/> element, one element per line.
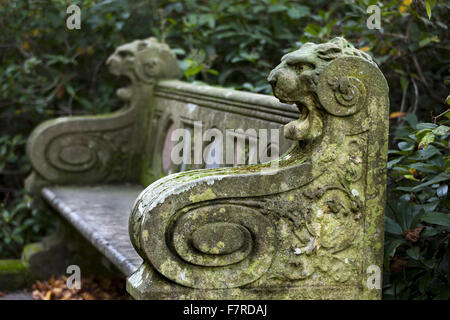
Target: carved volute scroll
<point x="92" y="149"/>
<point x="306" y="226"/>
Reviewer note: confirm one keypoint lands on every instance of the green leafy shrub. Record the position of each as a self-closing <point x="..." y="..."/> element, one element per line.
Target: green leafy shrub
<point x="417" y="241"/>
<point x="20" y="225"/>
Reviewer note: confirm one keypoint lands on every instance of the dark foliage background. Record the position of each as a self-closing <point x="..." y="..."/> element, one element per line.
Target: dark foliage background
<point x="47" y="71"/>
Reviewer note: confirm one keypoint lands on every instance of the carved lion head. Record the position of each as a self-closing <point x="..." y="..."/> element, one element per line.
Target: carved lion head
<point x="296" y="78"/>
<point x="143" y="61"/>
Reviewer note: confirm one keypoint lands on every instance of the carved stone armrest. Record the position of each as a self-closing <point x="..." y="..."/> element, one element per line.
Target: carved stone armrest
<point x="306" y="226"/>
<point x="104" y="148"/>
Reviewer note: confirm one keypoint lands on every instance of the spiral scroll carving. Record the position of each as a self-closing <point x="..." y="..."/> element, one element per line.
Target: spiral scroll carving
<point x="343" y="86"/>
<point x="77" y="153"/>
<point x="93" y="155"/>
<point x="213" y="246"/>
<point x="348" y="91"/>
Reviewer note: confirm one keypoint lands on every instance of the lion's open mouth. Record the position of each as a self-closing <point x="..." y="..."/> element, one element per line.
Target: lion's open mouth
<point x="124" y="81"/>
<point x="308" y="125"/>
<point x="304" y="112"/>
<point x="125" y="91"/>
<point x="304" y="120"/>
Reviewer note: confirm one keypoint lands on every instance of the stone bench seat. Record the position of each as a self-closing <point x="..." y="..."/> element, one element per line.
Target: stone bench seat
<point x="100" y="213"/>
<point x="191" y="191"/>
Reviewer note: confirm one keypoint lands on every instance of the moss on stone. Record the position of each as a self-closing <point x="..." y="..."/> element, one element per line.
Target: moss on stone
<point x="208" y="194"/>
<point x="13" y="275"/>
<point x="11" y="266"/>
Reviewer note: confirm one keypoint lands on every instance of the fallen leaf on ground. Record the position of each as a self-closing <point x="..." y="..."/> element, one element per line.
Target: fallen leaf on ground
<point x="100" y="288"/>
<point x="413" y="234"/>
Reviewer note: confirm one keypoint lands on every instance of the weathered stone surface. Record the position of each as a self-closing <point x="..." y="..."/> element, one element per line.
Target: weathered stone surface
<point x="147" y="283"/>
<point x="220" y="238"/>
<point x="315" y="218"/>
<point x="179" y="105"/>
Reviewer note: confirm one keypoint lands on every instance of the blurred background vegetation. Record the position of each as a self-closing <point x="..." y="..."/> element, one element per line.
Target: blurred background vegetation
<point x="47" y="71"/>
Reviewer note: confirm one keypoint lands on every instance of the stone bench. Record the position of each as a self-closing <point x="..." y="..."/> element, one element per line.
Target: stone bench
<point x="250" y="214"/>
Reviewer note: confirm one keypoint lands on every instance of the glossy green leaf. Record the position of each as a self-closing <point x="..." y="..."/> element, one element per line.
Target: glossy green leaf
<point x="442" y="219"/>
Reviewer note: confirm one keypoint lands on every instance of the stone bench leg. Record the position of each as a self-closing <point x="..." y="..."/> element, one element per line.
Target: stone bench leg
<point x="65" y="247"/>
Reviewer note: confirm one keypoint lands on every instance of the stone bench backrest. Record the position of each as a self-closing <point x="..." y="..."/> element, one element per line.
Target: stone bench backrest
<point x="242" y="122"/>
<point x="135" y="143"/>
